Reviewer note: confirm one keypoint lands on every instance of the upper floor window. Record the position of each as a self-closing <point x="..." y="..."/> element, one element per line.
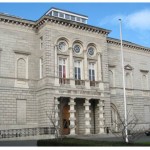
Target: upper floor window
<point x="62" y="68"/>
<point x="61" y="15"/>
<point x="91" y="51"/>
<point x="55" y="13"/>
<point x="63" y="71"/>
<point x="92" y="71"/>
<point x="62" y="45"/>
<point x="77" y="48"/>
<point x="77" y="70"/>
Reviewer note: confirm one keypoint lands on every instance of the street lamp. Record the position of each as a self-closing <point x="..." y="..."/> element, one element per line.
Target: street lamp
<point x="124" y="90"/>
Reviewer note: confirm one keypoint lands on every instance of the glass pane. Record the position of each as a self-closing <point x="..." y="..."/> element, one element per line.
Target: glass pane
<point x="93" y="72"/>
<point x="75" y="76"/>
<point x="64" y="72"/>
<point x="67" y="16"/>
<point x="61" y="15"/>
<point x="89" y="74"/>
<point x="72" y="18"/>
<point x="83" y="20"/>
<point x="79" y="76"/>
<point x="78" y="19"/>
<point x="55" y="14"/>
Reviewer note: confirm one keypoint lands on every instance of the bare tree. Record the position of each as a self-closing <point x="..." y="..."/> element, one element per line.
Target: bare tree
<point x="133" y="133"/>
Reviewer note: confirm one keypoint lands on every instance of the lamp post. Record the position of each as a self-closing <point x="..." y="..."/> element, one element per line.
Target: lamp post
<point x="124" y="90"/>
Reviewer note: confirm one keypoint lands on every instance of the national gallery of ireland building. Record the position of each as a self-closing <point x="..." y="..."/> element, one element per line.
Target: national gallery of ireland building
<point x="61" y="70"/>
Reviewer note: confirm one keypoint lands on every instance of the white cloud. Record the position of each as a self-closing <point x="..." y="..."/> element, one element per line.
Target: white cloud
<point x="139" y="20"/>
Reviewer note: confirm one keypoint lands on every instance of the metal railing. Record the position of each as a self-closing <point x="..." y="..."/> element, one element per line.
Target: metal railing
<point x="64" y="81"/>
<point x="11" y="133"/>
<point x="94" y="83"/>
<point x="79" y="82"/>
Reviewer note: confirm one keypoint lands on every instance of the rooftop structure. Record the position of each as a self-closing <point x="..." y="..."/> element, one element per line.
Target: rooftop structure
<point x="67" y="15"/>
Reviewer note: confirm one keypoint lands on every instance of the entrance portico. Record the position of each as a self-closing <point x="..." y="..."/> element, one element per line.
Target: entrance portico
<point x="80" y="115"/>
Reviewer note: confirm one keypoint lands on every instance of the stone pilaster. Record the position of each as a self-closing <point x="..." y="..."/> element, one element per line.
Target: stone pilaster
<point x="99" y="67"/>
<point x="72" y="116"/>
<point x="87" y="116"/>
<point x="71" y="68"/>
<point x="56" y="70"/>
<point x="87" y="82"/>
<point x="56" y="67"/>
<point x="101" y="116"/>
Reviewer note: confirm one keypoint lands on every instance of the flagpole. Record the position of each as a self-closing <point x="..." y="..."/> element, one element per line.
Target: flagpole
<point x="124" y="90"/>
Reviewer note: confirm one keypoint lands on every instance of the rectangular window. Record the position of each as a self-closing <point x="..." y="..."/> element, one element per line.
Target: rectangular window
<point x="61" y="15"/>
<point x="73" y="18"/>
<point x="78" y="19"/>
<point x="41" y="68"/>
<point x="77" y="70"/>
<point x="55" y="13"/>
<point x="91" y="71"/>
<point x="41" y="42"/>
<point x="62" y="68"/>
<point x="83" y="20"/>
<point x="21" y="111"/>
<point x="67" y="16"/>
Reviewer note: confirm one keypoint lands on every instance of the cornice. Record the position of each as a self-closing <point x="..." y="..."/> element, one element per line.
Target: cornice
<point x="127" y="44"/>
<point x="72" y="24"/>
<point x="17" y="21"/>
<point x="37" y="24"/>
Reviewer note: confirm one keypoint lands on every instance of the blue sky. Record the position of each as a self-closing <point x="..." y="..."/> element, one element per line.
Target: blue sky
<point x="135" y="16"/>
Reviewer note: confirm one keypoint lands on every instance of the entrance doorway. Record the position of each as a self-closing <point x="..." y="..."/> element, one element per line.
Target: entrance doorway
<point x="65" y="120"/>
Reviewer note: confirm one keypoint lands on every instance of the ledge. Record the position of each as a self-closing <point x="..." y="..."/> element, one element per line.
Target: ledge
<point x="22" y="52"/>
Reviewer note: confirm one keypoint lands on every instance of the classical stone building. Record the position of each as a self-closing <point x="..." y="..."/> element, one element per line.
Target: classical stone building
<point x="59" y="65"/>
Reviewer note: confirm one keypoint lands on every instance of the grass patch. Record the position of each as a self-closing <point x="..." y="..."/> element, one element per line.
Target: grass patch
<point x="79" y="142"/>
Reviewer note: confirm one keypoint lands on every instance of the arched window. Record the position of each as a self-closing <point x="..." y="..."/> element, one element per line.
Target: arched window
<point x="21" y="68"/>
<point x="128" y="80"/>
<point x="111" y="78"/>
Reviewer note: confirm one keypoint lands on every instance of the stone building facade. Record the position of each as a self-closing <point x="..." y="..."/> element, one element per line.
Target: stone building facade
<point x="69" y="69"/>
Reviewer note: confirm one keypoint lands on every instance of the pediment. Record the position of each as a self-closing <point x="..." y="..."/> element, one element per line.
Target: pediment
<point x="128" y="67"/>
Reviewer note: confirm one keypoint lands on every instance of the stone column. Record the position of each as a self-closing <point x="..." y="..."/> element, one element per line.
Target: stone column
<point x="101" y="116"/>
<point x="56" y="67"/>
<point x="87" y="116"/>
<point x="56" y="111"/>
<point x="72" y="116"/>
<point x="99" y="70"/>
